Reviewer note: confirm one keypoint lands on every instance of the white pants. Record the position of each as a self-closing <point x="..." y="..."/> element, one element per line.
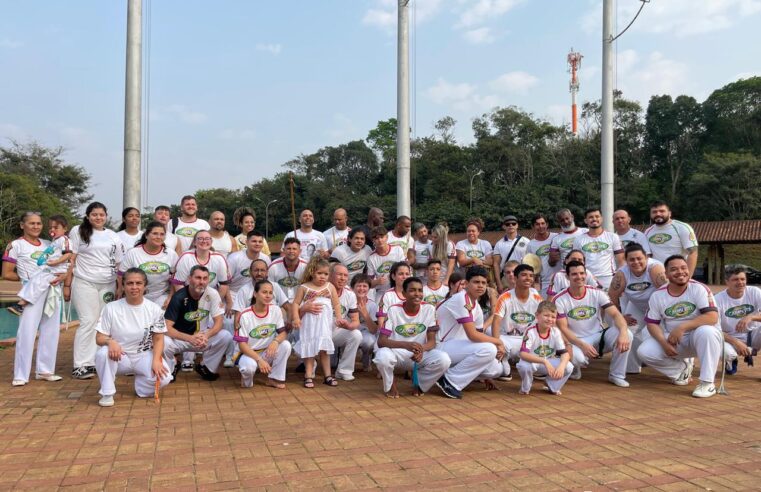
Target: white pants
<point x="639" y="335"/>
<point x="349" y="341"/>
<point x="704" y="343"/>
<point x="731" y="354"/>
<point x="89" y="299"/>
<point x="617" y="362"/>
<point x="434" y="364"/>
<point x="513" y="345"/>
<point x="228" y="325"/>
<point x="367" y="345"/>
<point x="248" y="366"/>
<point x="141" y="365"/>
<point x="47" y="346"/>
<point x="528" y="369"/>
<point x="470" y="360"/>
<point x="212" y="353"/>
<point x="36" y="288"/>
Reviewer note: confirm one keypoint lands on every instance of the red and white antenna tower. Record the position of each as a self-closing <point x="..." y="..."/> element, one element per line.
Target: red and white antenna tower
<point x="574" y="62"/>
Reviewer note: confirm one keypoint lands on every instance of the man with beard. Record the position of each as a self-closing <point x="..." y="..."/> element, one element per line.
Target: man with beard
<point x="602" y="249"/>
<point x="626" y="233"/>
<point x="375" y="218"/>
<point x="312" y="242"/>
<point x="186" y="226"/>
<point x="540" y="246"/>
<point x="221" y="240"/>
<point x="563" y="242"/>
<point x="740" y="311"/>
<point x="287" y="270"/>
<point x="668" y="237"/>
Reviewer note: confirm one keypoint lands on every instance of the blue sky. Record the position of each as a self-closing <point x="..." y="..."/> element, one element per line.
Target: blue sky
<point x="237" y="88"/>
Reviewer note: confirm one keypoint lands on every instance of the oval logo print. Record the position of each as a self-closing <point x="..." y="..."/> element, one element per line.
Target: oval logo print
<point x="680" y="309"/>
<point x="385" y="267"/>
<point x="196" y="315"/>
<point x="356" y="266"/>
<point x="263" y="331"/>
<point x="639" y="286"/>
<point x="543" y="250"/>
<point x="522" y="318"/>
<point x="410" y="329"/>
<point x="154" y="267"/>
<point x="595" y="247"/>
<point x="659" y="238"/>
<point x="582" y="313"/>
<point x="739" y="311"/>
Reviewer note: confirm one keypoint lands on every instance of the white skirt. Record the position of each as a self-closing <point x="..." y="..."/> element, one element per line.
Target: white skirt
<point x="316" y="332"/>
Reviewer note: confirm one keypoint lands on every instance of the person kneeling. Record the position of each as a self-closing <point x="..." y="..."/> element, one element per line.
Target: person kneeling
<point x="407" y="341"/>
<point x="544" y="352"/>
<point x="130" y="334"/>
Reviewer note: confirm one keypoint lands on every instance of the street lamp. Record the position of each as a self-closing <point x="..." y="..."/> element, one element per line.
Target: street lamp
<point x="480" y="172"/>
<point x="267" y="218"/>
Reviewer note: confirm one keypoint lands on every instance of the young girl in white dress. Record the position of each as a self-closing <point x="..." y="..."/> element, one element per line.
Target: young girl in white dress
<point x="316" y="329"/>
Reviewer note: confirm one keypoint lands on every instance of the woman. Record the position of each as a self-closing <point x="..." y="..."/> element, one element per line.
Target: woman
<point x="473" y="251"/>
<point x="244" y="219"/>
<point x="97" y="255"/>
<point x="129" y="231"/>
<point x="156" y="260"/>
<point x="20" y="263"/>
<point x="354" y="254"/>
<point x="442" y="249"/>
<point x="419" y="254"/>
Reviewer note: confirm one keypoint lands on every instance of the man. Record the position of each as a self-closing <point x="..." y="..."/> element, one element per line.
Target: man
<point x="130" y="334"/>
<point x="580" y="311"/>
<point x="627" y="234"/>
<point x="669" y="237"/>
<point x="602" y="249"/>
<point x="563" y="242"/>
<point x="375" y="218"/>
<point x="346" y="336"/>
<point x="473" y="353"/>
<point x="287" y="270"/>
<point x="540" y="246"/>
<point x="510" y="247"/>
<point x="312" y="242"/>
<point x="162" y="214"/>
<point x="400" y="234"/>
<point x="380" y="261"/>
<point x="194" y="324"/>
<point x="339" y="233"/>
<point x="407" y="341"/>
<point x="635" y="283"/>
<point x="186" y="226"/>
<point x="683" y="322"/>
<point x="515" y="313"/>
<point x="244" y="295"/>
<point x="740" y="311"/>
<point x="221" y="240"/>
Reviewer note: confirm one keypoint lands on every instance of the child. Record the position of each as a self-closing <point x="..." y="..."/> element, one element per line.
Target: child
<point x="316" y="332"/>
<point x="400" y="271"/>
<point x="435" y="291"/>
<point x="544" y="352"/>
<point x="368" y="315"/>
<point x="261" y="337"/>
<point x="56" y="260"/>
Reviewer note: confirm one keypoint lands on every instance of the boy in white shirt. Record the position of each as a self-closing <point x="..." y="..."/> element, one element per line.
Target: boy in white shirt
<point x="544" y="352"/>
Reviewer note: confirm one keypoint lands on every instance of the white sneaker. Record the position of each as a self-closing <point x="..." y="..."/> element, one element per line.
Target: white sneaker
<point x="576" y="374"/>
<point x="48" y="377"/>
<point x="18" y="382"/>
<point x="686" y="376"/>
<point x="620" y="382"/>
<point x="345" y="377"/>
<point x="228" y="363"/>
<point x="106" y="401"/>
<point x="704" y="390"/>
<point x="187" y="367"/>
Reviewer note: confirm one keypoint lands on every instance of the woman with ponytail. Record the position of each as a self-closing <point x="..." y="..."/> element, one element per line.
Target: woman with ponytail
<point x="129" y="232"/>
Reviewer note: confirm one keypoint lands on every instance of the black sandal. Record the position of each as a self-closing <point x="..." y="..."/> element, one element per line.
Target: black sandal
<point x="308" y="383"/>
<point x="330" y="381"/>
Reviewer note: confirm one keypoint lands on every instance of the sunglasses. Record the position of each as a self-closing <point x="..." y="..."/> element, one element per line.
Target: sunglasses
<point x="511" y="223"/>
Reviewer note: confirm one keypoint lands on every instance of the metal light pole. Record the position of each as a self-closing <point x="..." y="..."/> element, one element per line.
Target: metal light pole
<point x="403" y="206"/>
<point x="132" y="105"/>
<point x="267" y="218"/>
<point x="480" y="172"/>
<point x="606" y="150"/>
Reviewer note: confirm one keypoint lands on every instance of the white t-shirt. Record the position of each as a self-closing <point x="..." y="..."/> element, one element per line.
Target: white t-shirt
<point x="635" y="236"/>
<point x="170" y="241"/>
<point x="132" y="326"/>
<point x="287" y="279"/>
<point x="559" y="281"/>
<point x="354" y="261"/>
<point x="422" y="255"/>
<point x="402" y="326"/>
<point x="451" y="254"/>
<point x="312" y="242"/>
<point x="372" y="310"/>
<point x="219" y="272"/>
<point x="348" y="301"/>
<point x="542" y="250"/>
<point x="60" y="246"/>
<point x="128" y="241"/>
<point x="563" y="242"/>
<point x="158" y="267"/>
<point x="435" y="296"/>
<point x="733" y="310"/>
<point x="259" y="331"/>
<point x="669" y="239"/>
<point x="240" y="264"/>
<point x="455" y="311"/>
<point x="389" y="299"/>
<point x="405" y="242"/>
<point x="378" y="265"/>
<point x="96" y="262"/>
<point x="185" y="231"/>
<point x="670" y="311"/>
<point x="599" y="252"/>
<point x="517" y="316"/>
<point x="223" y="245"/>
<point x="637" y="290"/>
<point x="481" y="250"/>
<point x="505" y="245"/>
<point x="24" y="255"/>
<point x="551" y="345"/>
<point x="584" y="314"/>
<point x="245" y="294"/>
<point x="336" y="237"/>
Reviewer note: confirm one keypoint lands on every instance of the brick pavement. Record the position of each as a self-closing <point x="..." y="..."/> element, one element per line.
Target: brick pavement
<point x="216" y="436"/>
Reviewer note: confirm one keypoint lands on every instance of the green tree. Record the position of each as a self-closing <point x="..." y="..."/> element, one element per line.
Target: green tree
<point x="19" y="194"/>
<point x="729" y="183"/>
<point x="733" y="117"/>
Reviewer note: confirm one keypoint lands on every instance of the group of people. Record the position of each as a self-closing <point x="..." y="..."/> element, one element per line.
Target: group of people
<point x="182" y="294"/>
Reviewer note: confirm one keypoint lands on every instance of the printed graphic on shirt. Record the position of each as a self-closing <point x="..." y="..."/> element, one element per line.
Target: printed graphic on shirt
<point x="263" y="331"/>
<point x="410" y="329"/>
<point x="154" y="267"/>
<point x="739" y="311"/>
<point x="595" y="247"/>
<point x="197" y="315"/>
<point x="680" y="309"/>
<point x="660" y="238"/>
<point x="581" y="313"/>
<point x="522" y="318"/>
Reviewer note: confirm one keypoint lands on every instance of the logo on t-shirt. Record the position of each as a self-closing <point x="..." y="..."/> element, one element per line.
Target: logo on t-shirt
<point x="543" y="251"/>
<point x="36" y="255"/>
<point x="385" y="267"/>
<point x="582" y="313"/>
<point x="433" y="298"/>
<point x="263" y="331"/>
<point x="212" y="276"/>
<point x="474" y="253"/>
<point x="739" y="311"/>
<point x="544" y="351"/>
<point x="410" y="329"/>
<point x="522" y="318"/>
<point x="639" y="286"/>
<point x="154" y="267"/>
<point x="356" y="266"/>
<point x="185" y="231"/>
<point x="595" y="247"/>
<point x="196" y="315"/>
<point x="108" y="297"/>
<point x="288" y="282"/>
<point x="680" y="309"/>
<point x="567" y="244"/>
<point x="660" y="238"/>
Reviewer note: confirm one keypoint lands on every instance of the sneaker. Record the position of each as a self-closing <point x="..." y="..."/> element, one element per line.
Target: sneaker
<point x="506" y="377"/>
<point x="205" y="373"/>
<point x="345" y="377"/>
<point x="187" y="366"/>
<point x="82" y="373"/>
<point x="228" y="363"/>
<point x="106" y="401"/>
<point x="16" y="309"/>
<point x="174" y="373"/>
<point x="684" y="378"/>
<point x="576" y="374"/>
<point x="704" y="390"/>
<point x="48" y="377"/>
<point x="446" y="387"/>
<point x="620" y="382"/>
<point x="731" y="367"/>
<point x="18" y="382"/>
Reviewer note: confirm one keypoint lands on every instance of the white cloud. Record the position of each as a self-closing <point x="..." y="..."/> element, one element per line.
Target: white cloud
<point x="479" y="11"/>
<point x="233" y="134"/>
<point x="517" y="82"/>
<point x="10" y="43"/>
<point x="461" y="97"/>
<point x="177" y="112"/>
<point x="481" y="35"/>
<point x="271" y="48"/>
<point x="640" y="77"/>
<point x="385" y="12"/>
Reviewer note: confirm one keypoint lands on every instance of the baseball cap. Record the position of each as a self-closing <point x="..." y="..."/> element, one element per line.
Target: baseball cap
<point x="509" y="218"/>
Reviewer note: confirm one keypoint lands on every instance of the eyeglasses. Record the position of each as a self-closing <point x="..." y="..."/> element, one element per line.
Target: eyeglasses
<point x="203" y="239"/>
<point x="511" y="224"/>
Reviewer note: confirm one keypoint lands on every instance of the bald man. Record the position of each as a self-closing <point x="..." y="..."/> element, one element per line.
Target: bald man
<point x="339" y="233"/>
<point x="312" y="241"/>
<point x="221" y="240"/>
<point x="628" y="235"/>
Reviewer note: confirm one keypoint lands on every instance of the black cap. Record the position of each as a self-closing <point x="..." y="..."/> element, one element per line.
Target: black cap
<point x="509" y="218"/>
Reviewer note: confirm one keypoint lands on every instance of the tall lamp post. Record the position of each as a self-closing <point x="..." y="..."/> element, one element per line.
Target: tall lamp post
<point x="480" y="172"/>
<point x="267" y="218"/>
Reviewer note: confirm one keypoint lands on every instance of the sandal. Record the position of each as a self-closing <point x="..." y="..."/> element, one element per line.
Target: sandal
<point x="330" y="381"/>
<point x="308" y="383"/>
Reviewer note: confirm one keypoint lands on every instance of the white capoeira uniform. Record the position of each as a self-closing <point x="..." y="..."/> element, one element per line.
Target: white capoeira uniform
<point x="354" y="261"/>
<point x="24" y="255"/>
<point x="470" y="360"/>
<point x="239" y="265"/>
<point x="435" y="296"/>
<point x="705" y="342"/>
<point x="133" y="328"/>
<point x="170" y="241"/>
<point x="287" y="279"/>
<point x="244" y="297"/>
<point x="517" y="317"/>
<point x="312" y="242"/>
<point x="636" y="294"/>
<point x="158" y="267"/>
<point x="563" y="242"/>
<point x="584" y="316"/>
<point x="422" y="255"/>
<point x="542" y="250"/>
<point x="37" y="287"/>
<point x="128" y="240"/>
<point x="481" y="250"/>
<point x="549" y="347"/>
<point x="335" y="237"/>
<point x="674" y="238"/>
<point x="259" y="332"/>
<point x="560" y="282"/>
<point x="405" y="242"/>
<point x="635" y="236"/>
<point x="185" y="231"/>
<point x="451" y="255"/>
<point x="402" y="326"/>
<point x="379" y="265"/>
<point x="219" y="271"/>
<point x="223" y="245"/>
<point x="368" y="339"/>
<point x="732" y="310"/>
<point x="600" y="254"/>
<point x="510" y="249"/>
<point x="347" y="340"/>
